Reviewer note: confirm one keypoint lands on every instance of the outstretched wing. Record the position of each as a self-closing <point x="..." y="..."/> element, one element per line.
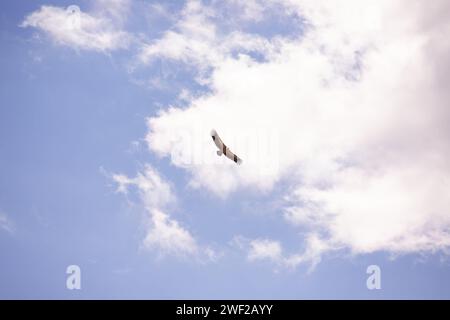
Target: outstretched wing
<point x="223" y="148"/>
<point x="230" y="155"/>
<point x="217" y="141"/>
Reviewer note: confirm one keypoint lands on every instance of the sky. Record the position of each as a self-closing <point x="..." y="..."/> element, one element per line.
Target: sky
<point x="339" y="112"/>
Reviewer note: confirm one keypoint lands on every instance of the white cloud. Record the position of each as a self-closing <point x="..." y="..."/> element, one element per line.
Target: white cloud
<point x="196" y="40"/>
<point x="116" y="10"/>
<point x="360" y="106"/>
<point x="164" y="234"/>
<point x="154" y="190"/>
<point x="261" y="249"/>
<point x="168" y="236"/>
<point x="5" y="223"/>
<point x="249" y="10"/>
<point x="99" y="30"/>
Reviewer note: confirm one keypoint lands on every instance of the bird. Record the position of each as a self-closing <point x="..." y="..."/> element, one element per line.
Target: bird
<point x="223" y="149"/>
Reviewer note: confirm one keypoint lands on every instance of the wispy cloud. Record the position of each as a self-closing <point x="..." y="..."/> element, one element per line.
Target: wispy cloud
<point x="164" y="234"/>
<point x="272" y="251"/>
<point x="196" y="40"/>
<point x="99" y="30"/>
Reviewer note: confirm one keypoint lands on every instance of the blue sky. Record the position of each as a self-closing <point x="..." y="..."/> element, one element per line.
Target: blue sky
<point x="86" y="160"/>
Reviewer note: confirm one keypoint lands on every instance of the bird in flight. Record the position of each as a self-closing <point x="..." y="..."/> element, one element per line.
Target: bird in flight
<point x="223" y="149"/>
